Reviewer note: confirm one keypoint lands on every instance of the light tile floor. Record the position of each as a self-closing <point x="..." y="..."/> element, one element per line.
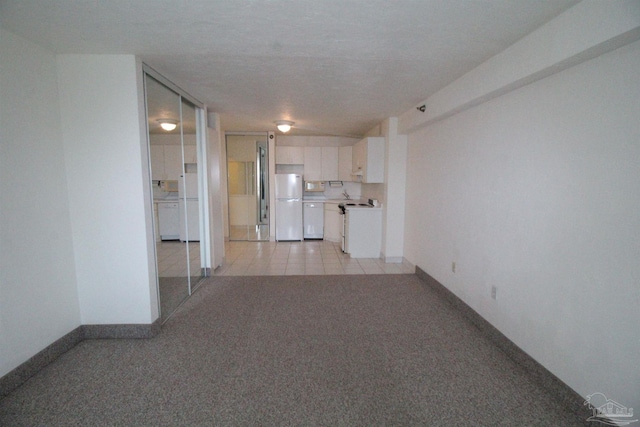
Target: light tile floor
<point x="253" y="233"/>
<point x="172" y="258"/>
<point x="299" y="258"/>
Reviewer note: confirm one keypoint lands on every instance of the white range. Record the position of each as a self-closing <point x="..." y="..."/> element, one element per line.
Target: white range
<point x="362" y="230"/>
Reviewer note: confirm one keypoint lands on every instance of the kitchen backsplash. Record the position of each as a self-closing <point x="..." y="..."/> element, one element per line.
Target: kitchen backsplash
<point x="352" y="188"/>
<point x="157" y="190"/>
<point x="373" y="191"/>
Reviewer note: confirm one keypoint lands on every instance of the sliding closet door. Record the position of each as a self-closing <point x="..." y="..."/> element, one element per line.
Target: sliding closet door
<point x="164" y="108"/>
<point x="190" y="200"/>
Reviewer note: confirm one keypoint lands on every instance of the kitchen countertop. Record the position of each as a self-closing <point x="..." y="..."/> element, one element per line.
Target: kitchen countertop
<point x="368" y="206"/>
<point x="322" y="199"/>
<point x="325" y="200"/>
<point x="345" y="201"/>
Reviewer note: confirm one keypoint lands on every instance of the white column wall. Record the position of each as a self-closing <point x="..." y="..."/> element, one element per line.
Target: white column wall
<point x="395" y="182"/>
<point x="38" y="294"/>
<point x="537" y="192"/>
<point x="272" y="187"/>
<point x="106" y="178"/>
<point x="216" y="213"/>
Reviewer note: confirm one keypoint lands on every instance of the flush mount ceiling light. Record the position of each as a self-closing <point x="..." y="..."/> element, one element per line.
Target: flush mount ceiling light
<point x="168" y="124"/>
<point x="284" y="126"/>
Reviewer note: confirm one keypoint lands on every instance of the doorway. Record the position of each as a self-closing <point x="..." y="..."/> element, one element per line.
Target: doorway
<point x="248" y="186"/>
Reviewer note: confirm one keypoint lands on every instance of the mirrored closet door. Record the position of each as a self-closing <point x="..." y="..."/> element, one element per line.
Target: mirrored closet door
<point x="173" y="135"/>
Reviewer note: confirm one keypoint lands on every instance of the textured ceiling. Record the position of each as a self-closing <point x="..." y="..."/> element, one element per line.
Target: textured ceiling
<point x="333" y="67"/>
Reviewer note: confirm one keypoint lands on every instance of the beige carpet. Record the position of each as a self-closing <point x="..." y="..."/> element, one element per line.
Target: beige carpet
<point x="294" y="350"/>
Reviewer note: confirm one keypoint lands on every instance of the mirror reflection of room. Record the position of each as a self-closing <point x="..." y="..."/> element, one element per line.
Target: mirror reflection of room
<point x="241" y="178"/>
<point x="247" y="182"/>
<point x="173" y="153"/>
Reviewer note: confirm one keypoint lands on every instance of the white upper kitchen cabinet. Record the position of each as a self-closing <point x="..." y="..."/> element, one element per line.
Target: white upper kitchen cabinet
<point x="330" y="164"/>
<point x="286" y="155"/>
<point x="312" y="163"/>
<point x="368" y="160"/>
<point x="190" y="154"/>
<point x="321" y="163"/>
<point x="345" y="163"/>
<point x="172" y="161"/>
<point x="166" y="162"/>
<point x="157" y="162"/>
<point x="358" y="156"/>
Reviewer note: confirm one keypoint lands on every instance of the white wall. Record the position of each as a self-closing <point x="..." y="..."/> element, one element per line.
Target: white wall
<point x="107" y="180"/>
<point x="391" y="194"/>
<point x="38" y="296"/>
<point x="214" y="161"/>
<point x="585" y="31"/>
<point x="395" y="182"/>
<point x="224" y="185"/>
<point x="537" y="192"/>
<point x="314" y="141"/>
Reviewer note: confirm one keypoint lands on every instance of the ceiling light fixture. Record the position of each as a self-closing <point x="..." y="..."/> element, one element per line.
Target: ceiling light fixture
<point x="168" y="124"/>
<point x="284" y="126"/>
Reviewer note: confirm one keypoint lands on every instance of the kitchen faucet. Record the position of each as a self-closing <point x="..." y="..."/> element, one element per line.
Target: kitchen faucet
<point x="346" y="195"/>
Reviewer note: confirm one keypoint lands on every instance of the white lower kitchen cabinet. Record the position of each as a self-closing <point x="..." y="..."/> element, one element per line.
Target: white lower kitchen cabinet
<point x="169" y="220"/>
<point x="189" y="220"/>
<point x="332" y="222"/>
<point x="363" y="232"/>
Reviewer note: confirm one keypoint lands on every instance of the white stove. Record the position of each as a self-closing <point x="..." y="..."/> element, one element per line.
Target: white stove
<point x="361" y="229"/>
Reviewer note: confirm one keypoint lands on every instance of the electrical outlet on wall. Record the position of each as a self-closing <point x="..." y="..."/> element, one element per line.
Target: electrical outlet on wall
<point x="494" y="290"/>
<point x="453" y="267"/>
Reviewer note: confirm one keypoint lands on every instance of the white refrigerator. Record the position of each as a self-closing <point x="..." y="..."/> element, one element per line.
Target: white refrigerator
<point x="288" y="206"/>
<point x="189" y="209"/>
